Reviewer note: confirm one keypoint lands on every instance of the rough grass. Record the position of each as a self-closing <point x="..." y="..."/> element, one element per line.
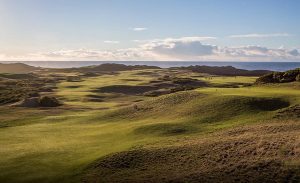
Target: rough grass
<point x="256" y="153"/>
<point x="49" y="146"/>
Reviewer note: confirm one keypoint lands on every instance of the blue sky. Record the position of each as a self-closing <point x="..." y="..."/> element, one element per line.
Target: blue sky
<point x="149" y="30"/>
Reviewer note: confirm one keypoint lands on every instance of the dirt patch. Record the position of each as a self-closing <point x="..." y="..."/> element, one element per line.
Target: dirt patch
<point x="259" y="153"/>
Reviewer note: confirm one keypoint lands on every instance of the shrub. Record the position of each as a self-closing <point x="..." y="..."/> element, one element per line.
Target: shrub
<point x="47" y="101"/>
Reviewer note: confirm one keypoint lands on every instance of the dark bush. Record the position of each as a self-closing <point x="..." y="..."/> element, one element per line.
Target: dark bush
<point x="47" y="101"/>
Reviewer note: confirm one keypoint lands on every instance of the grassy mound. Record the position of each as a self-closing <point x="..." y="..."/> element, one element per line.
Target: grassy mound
<point x="159" y="106"/>
<point x="16" y="68"/>
<point x="18" y="76"/>
<point x="258" y="153"/>
<point x="280" y="77"/>
<point x="44" y="101"/>
<point x="197" y="107"/>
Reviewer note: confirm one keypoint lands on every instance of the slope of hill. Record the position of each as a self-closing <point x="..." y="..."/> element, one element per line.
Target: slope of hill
<point x="280" y="77"/>
<point x="16" y="68"/>
<point x="224" y="71"/>
<point x="241" y="132"/>
<point x="111" y="68"/>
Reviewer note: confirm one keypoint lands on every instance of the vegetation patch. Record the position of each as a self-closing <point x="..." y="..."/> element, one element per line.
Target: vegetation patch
<point x="18" y="76"/>
<point x="44" y="101"/>
<point x="257" y="153"/>
<point x="49" y="101"/>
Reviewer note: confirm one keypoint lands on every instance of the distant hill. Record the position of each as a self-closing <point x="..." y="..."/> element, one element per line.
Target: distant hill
<point x="112" y="67"/>
<point x="280" y="77"/>
<point x="17" y="68"/>
<point x="20" y="68"/>
<point x="224" y="71"/>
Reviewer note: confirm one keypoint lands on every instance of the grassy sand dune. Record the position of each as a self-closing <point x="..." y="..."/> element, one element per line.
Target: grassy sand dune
<point x="254" y="153"/>
<point x="186" y="135"/>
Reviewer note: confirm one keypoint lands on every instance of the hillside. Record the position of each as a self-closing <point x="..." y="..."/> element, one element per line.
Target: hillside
<point x="224" y="71"/>
<point x="16" y="68"/>
<point x="280" y="77"/>
<point x="110" y="68"/>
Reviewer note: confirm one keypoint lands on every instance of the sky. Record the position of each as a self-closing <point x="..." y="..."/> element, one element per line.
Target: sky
<point x="149" y="30"/>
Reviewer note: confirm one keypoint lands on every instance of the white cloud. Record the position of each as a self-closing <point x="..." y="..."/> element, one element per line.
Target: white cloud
<point x="185" y="48"/>
<point x="139" y="29"/>
<point x="260" y="35"/>
<point x="182" y="39"/>
<point x="111" y="42"/>
<point x="130" y="54"/>
<point x="259" y="53"/>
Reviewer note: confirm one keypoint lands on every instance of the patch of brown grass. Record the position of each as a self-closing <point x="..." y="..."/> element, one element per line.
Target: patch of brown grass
<point x="268" y="152"/>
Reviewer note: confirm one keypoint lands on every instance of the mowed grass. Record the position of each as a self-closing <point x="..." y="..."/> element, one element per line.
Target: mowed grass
<point x="57" y="147"/>
<point x="287" y="91"/>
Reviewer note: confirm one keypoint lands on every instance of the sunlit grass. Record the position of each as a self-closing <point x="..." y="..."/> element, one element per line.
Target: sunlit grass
<point x="57" y="147"/>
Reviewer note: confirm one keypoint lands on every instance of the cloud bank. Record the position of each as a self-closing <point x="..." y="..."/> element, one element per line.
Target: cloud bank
<point x="169" y="49"/>
<point x="261" y="35"/>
